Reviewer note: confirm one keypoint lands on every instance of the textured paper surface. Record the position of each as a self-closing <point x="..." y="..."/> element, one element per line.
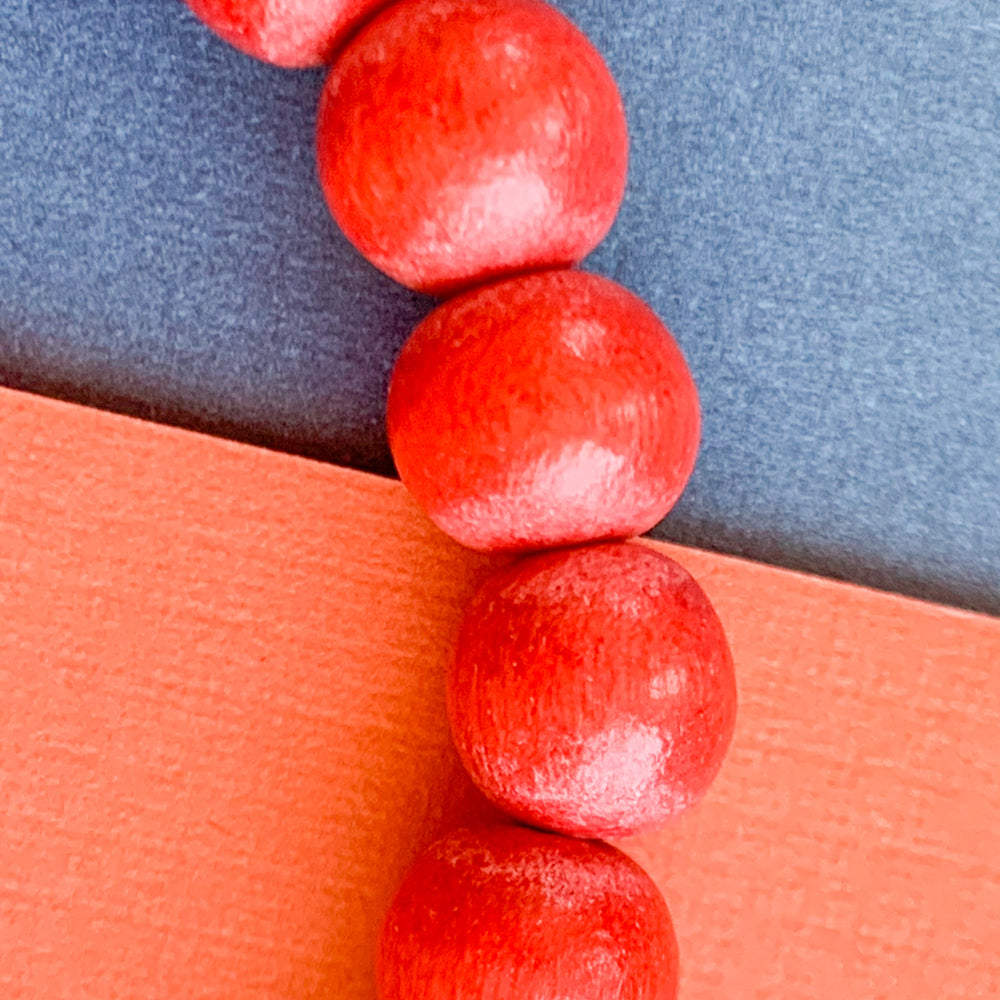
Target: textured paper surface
<point x="222" y="738"/>
<point x="812" y="209"/>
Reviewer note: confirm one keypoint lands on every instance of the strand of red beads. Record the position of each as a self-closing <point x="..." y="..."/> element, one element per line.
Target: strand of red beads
<point x="478" y="149"/>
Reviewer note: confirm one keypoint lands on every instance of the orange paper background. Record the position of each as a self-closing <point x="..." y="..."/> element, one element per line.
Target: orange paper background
<point x="223" y="738"/>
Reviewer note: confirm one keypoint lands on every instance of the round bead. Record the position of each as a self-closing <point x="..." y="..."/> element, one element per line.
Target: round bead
<point x="544" y="410"/>
<point x="290" y="33"/>
<point x="592" y="690"/>
<point x="464" y="140"/>
<point x="506" y="913"/>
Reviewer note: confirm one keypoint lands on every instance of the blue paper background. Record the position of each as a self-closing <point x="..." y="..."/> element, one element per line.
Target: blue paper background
<point x="812" y="208"/>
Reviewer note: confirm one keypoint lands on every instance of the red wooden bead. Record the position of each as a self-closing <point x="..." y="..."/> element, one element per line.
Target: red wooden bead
<point x="291" y="33"/>
<point x="506" y="913"/>
<point x="592" y="690"/>
<point x="544" y="410"/>
<point x="463" y="140"/>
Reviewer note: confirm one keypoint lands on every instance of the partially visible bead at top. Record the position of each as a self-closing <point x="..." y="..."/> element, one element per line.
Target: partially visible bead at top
<point x="295" y="34"/>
